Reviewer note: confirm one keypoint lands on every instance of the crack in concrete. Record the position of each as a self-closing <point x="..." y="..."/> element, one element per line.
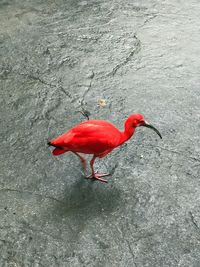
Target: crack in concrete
<point x="177" y="152"/>
<point x="65" y="92"/>
<point x="31" y="193"/>
<point x="170" y="15"/>
<point x="123" y="237"/>
<point x="98" y="27"/>
<point x="30" y="229"/>
<point x="136" y="239"/>
<point x="36" y="78"/>
<point x="142" y="236"/>
<point x="131" y="251"/>
<point x="85" y="93"/>
<point x="194" y="222"/>
<point x="47" y="99"/>
<point x="134" y="51"/>
<point x="151" y="17"/>
<point x="87" y="90"/>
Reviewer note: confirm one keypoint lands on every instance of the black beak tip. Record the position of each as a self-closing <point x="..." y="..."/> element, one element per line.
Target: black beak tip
<point x="153" y="128"/>
<point x="159" y="134"/>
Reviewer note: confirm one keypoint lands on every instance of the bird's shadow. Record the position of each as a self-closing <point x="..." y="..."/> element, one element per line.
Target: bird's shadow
<point x="88" y="199"/>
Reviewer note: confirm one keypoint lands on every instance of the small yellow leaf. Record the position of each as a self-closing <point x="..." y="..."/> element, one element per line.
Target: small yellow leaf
<point x="102" y="102"/>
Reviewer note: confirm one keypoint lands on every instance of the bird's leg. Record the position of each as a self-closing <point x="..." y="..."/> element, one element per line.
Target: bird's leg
<point x="92" y="165"/>
<point x="94" y="175"/>
<point x="83" y="160"/>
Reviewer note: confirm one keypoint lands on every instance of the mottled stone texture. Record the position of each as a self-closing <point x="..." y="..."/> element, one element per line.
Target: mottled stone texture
<point x="58" y="57"/>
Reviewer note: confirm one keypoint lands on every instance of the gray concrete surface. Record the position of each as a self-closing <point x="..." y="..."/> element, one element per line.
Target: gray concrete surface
<point x="140" y="56"/>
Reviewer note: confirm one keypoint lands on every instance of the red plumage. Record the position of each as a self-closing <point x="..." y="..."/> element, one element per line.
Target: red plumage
<point x="97" y="137"/>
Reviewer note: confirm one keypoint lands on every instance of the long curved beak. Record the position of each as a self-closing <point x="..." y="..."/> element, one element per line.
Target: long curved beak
<point x="145" y="124"/>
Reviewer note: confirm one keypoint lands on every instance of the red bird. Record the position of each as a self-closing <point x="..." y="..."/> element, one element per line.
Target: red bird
<point x="97" y="137"/>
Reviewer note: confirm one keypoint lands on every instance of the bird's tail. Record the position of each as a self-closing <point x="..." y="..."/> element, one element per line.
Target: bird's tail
<point x="58" y="150"/>
<point x="50" y="144"/>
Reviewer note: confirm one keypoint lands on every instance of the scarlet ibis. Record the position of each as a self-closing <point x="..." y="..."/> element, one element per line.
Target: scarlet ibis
<point x="97" y="137"/>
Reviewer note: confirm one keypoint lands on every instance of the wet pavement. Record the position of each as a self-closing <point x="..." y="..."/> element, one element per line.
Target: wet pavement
<point x="59" y="58"/>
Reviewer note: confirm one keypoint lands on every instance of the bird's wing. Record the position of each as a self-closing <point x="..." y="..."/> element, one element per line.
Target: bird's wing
<point x="97" y="129"/>
<point x="92" y="137"/>
<point x="63" y="140"/>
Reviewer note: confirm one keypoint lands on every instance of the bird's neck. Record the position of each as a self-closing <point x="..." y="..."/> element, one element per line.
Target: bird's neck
<point x="128" y="131"/>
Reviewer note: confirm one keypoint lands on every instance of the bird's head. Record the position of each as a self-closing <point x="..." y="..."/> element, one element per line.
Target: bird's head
<point x="137" y="120"/>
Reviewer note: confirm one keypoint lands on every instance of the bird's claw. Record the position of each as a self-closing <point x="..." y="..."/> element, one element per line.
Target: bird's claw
<point x="97" y="176"/>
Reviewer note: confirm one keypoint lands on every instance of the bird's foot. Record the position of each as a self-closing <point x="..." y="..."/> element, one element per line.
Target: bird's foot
<point x="97" y="176"/>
